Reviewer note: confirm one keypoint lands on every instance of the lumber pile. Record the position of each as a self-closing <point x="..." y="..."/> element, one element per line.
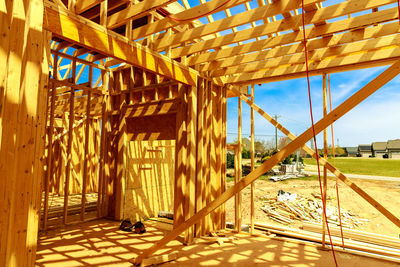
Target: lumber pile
<point x="377" y="245"/>
<point x="287" y="208"/>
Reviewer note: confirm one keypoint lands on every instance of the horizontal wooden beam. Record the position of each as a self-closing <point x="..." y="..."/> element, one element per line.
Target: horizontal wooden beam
<point x="338" y="112"/>
<point x="322" y="161"/>
<point x="368" y="59"/>
<point x="288" y="38"/>
<point x="88" y="34"/>
<point x="84" y="5"/>
<point x="152" y="108"/>
<point x="135" y="11"/>
<point x="313" y="56"/>
<point x="329" y="41"/>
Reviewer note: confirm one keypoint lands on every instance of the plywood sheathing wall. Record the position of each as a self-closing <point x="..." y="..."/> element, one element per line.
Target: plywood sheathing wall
<point x="150" y="107"/>
<point x="23" y="92"/>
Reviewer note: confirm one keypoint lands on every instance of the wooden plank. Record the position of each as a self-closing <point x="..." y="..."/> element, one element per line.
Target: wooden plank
<point x="88" y="34"/>
<point x="252" y="161"/>
<point x="155" y="260"/>
<point x="191" y="162"/>
<point x="238" y="172"/>
<point x="86" y="148"/>
<point x="69" y="144"/>
<point x="49" y="151"/>
<point x="180" y="159"/>
<point x="152" y="108"/>
<point x="207" y="145"/>
<point x="219" y="155"/>
<point x="204" y="189"/>
<point x="200" y="153"/>
<point x="224" y="131"/>
<point x="338" y="112"/>
<point x="102" y="183"/>
<point x="136" y="11"/>
<point x="84" y="5"/>
<point x="325" y="149"/>
<point x="330" y="167"/>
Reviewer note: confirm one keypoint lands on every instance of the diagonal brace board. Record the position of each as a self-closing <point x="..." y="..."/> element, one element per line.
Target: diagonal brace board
<point x="323" y="162"/>
<point x="338" y="112"/>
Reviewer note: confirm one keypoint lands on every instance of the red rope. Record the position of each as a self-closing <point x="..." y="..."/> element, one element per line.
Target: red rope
<point x="333" y="153"/>
<point x="313" y="128"/>
<point x="398" y="7"/>
<point x="197" y="17"/>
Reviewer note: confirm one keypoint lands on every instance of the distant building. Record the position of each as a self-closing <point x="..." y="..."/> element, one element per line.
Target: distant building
<point x="365" y="150"/>
<point x="379" y="149"/>
<point x="351" y="151"/>
<point x="393" y="149"/>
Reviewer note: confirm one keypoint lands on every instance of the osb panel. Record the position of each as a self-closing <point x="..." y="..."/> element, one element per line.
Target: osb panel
<point x="149" y="178"/>
<point x="161" y="127"/>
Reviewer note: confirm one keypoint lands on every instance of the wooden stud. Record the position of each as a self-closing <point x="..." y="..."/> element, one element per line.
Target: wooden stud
<point x="325" y="173"/>
<point x="86" y="148"/>
<point x="238" y="172"/>
<point x="252" y="161"/>
<point x="200" y="153"/>
<point x="180" y="159"/>
<point x="69" y="145"/>
<point x="191" y="166"/>
<point x="49" y="150"/>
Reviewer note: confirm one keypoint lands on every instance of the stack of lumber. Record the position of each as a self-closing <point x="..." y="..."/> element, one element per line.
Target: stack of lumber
<point x="307" y="209"/>
<point x="371" y="244"/>
<point x="356" y="235"/>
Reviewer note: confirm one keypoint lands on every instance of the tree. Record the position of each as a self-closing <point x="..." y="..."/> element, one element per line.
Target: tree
<point x="283" y="141"/>
<point x="230" y="160"/>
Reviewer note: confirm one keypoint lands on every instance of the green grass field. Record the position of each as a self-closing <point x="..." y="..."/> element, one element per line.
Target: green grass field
<point x="367" y="166"/>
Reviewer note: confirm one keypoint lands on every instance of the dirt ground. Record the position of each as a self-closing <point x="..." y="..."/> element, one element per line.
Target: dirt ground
<point x="386" y="193"/>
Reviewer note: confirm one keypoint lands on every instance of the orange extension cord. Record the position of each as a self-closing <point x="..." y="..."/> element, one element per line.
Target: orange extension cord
<point x="313" y="128"/>
<point x="334" y="161"/>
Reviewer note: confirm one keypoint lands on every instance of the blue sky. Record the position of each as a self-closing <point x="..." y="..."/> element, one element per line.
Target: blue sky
<point x="375" y="119"/>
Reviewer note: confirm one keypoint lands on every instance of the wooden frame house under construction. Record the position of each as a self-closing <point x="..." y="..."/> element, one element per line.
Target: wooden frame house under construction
<point x="118" y="109"/>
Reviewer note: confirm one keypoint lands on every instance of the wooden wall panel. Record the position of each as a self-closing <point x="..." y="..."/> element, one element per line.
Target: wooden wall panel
<point x="161" y="127"/>
<point x="149" y="178"/>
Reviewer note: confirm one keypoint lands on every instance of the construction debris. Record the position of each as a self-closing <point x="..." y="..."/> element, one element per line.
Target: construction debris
<point x="287" y="208"/>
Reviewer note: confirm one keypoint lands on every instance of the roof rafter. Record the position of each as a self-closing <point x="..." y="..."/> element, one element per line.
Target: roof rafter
<point x="234" y="21"/>
<point x="136" y="11"/>
<point x="379" y="57"/>
<point x="315" y="55"/>
<point x="325" y="42"/>
<point x="322" y="14"/>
